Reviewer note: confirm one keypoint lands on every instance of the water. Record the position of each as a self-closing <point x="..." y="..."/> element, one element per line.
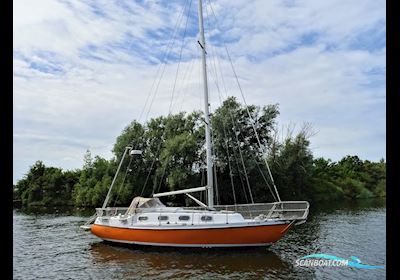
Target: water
<point x="52" y="246"/>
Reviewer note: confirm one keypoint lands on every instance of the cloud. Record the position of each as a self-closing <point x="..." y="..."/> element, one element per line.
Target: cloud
<point x="84" y="69"/>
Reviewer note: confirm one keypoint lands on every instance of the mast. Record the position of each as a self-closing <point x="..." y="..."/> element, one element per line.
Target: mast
<point x="210" y="183"/>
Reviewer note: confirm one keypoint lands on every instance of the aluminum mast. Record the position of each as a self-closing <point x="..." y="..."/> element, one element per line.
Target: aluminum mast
<point x="210" y="183"/>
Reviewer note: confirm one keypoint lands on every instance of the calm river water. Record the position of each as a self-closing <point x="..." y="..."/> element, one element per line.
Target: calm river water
<point x="52" y="246"/>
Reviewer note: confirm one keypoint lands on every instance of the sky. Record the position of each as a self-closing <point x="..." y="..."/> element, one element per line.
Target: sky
<point x="83" y="70"/>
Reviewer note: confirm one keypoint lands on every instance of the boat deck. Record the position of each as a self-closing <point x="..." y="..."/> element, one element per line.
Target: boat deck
<point x="285" y="210"/>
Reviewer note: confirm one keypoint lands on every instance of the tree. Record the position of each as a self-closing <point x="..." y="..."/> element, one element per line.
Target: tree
<point x="46" y="186"/>
<point x="173" y="158"/>
<point x="237" y="151"/>
<point x="293" y="166"/>
<point x="87" y="160"/>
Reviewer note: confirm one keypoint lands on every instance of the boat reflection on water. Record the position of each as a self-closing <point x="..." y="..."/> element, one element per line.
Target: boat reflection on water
<point x="185" y="262"/>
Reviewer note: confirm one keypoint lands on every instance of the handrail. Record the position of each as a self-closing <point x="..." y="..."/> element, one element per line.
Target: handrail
<point x="289" y="210"/>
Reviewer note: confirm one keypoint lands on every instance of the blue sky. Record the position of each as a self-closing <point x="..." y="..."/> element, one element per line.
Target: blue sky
<point x="83" y="70"/>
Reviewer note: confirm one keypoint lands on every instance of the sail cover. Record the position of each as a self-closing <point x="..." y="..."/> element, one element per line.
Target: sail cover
<point x="141" y="202"/>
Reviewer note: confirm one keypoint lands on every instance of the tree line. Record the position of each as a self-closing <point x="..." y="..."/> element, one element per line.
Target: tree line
<point x="173" y="158"/>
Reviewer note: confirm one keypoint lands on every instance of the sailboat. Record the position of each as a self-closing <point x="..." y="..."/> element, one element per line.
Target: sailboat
<point x="148" y="221"/>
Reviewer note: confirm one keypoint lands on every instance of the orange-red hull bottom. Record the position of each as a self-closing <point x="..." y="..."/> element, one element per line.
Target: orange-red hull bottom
<point x="261" y="235"/>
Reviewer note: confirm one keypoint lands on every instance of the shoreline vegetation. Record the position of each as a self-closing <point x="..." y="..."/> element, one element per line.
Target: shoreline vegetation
<point x="174" y="158"/>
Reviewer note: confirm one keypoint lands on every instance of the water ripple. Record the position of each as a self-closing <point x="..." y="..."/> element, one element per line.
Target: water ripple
<point x="53" y="247"/>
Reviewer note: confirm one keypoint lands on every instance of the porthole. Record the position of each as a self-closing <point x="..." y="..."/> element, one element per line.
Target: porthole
<point x="163" y="218"/>
<point x="184" y="218"/>
<point x="143" y="218"/>
<point x="206" y="218"/>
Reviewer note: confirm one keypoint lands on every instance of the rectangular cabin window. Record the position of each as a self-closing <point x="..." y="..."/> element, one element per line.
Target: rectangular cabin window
<point x="206" y="218"/>
<point x="143" y="218"/>
<point x="163" y="218"/>
<point x="184" y="218"/>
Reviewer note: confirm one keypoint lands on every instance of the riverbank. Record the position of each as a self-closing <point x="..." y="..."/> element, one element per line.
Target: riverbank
<point x="314" y="206"/>
<point x="172" y="158"/>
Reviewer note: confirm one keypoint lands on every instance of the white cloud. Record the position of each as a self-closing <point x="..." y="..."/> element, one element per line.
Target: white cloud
<point x="265" y="26"/>
<point x="86" y="104"/>
<point x="66" y="26"/>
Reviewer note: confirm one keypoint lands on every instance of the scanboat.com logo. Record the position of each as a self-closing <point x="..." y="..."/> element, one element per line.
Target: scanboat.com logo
<point x="329" y="260"/>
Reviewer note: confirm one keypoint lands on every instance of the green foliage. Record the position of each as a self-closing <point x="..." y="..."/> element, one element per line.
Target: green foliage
<point x="46" y="186"/>
<point x="94" y="180"/>
<point x="380" y="190"/>
<point x="234" y="139"/>
<point x="351" y="178"/>
<point x="293" y="167"/>
<point x="173" y="158"/>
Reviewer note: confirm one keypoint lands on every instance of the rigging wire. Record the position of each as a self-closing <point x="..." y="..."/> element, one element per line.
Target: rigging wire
<point x="171" y="102"/>
<point x="224" y="128"/>
<point x="233" y="123"/>
<point x="180" y="58"/>
<point x="172" y="95"/>
<point x="254" y="128"/>
<point x="266" y="181"/>
<point x="186" y="79"/>
<point x="247" y="109"/>
<point x="236" y="135"/>
<point x="212" y="136"/>
<point x="162" y="176"/>
<point x="238" y="144"/>
<point x="163" y="66"/>
<point x="252" y="124"/>
<point x="148" y="176"/>
<point x="123" y="181"/>
<point x="165" y="61"/>
<point x="170" y="108"/>
<point x="244" y="167"/>
<point x="238" y="128"/>
<point x="214" y="153"/>
<point x="229" y="165"/>
<point x="227" y="151"/>
<point x="190" y="71"/>
<point x="240" y="175"/>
